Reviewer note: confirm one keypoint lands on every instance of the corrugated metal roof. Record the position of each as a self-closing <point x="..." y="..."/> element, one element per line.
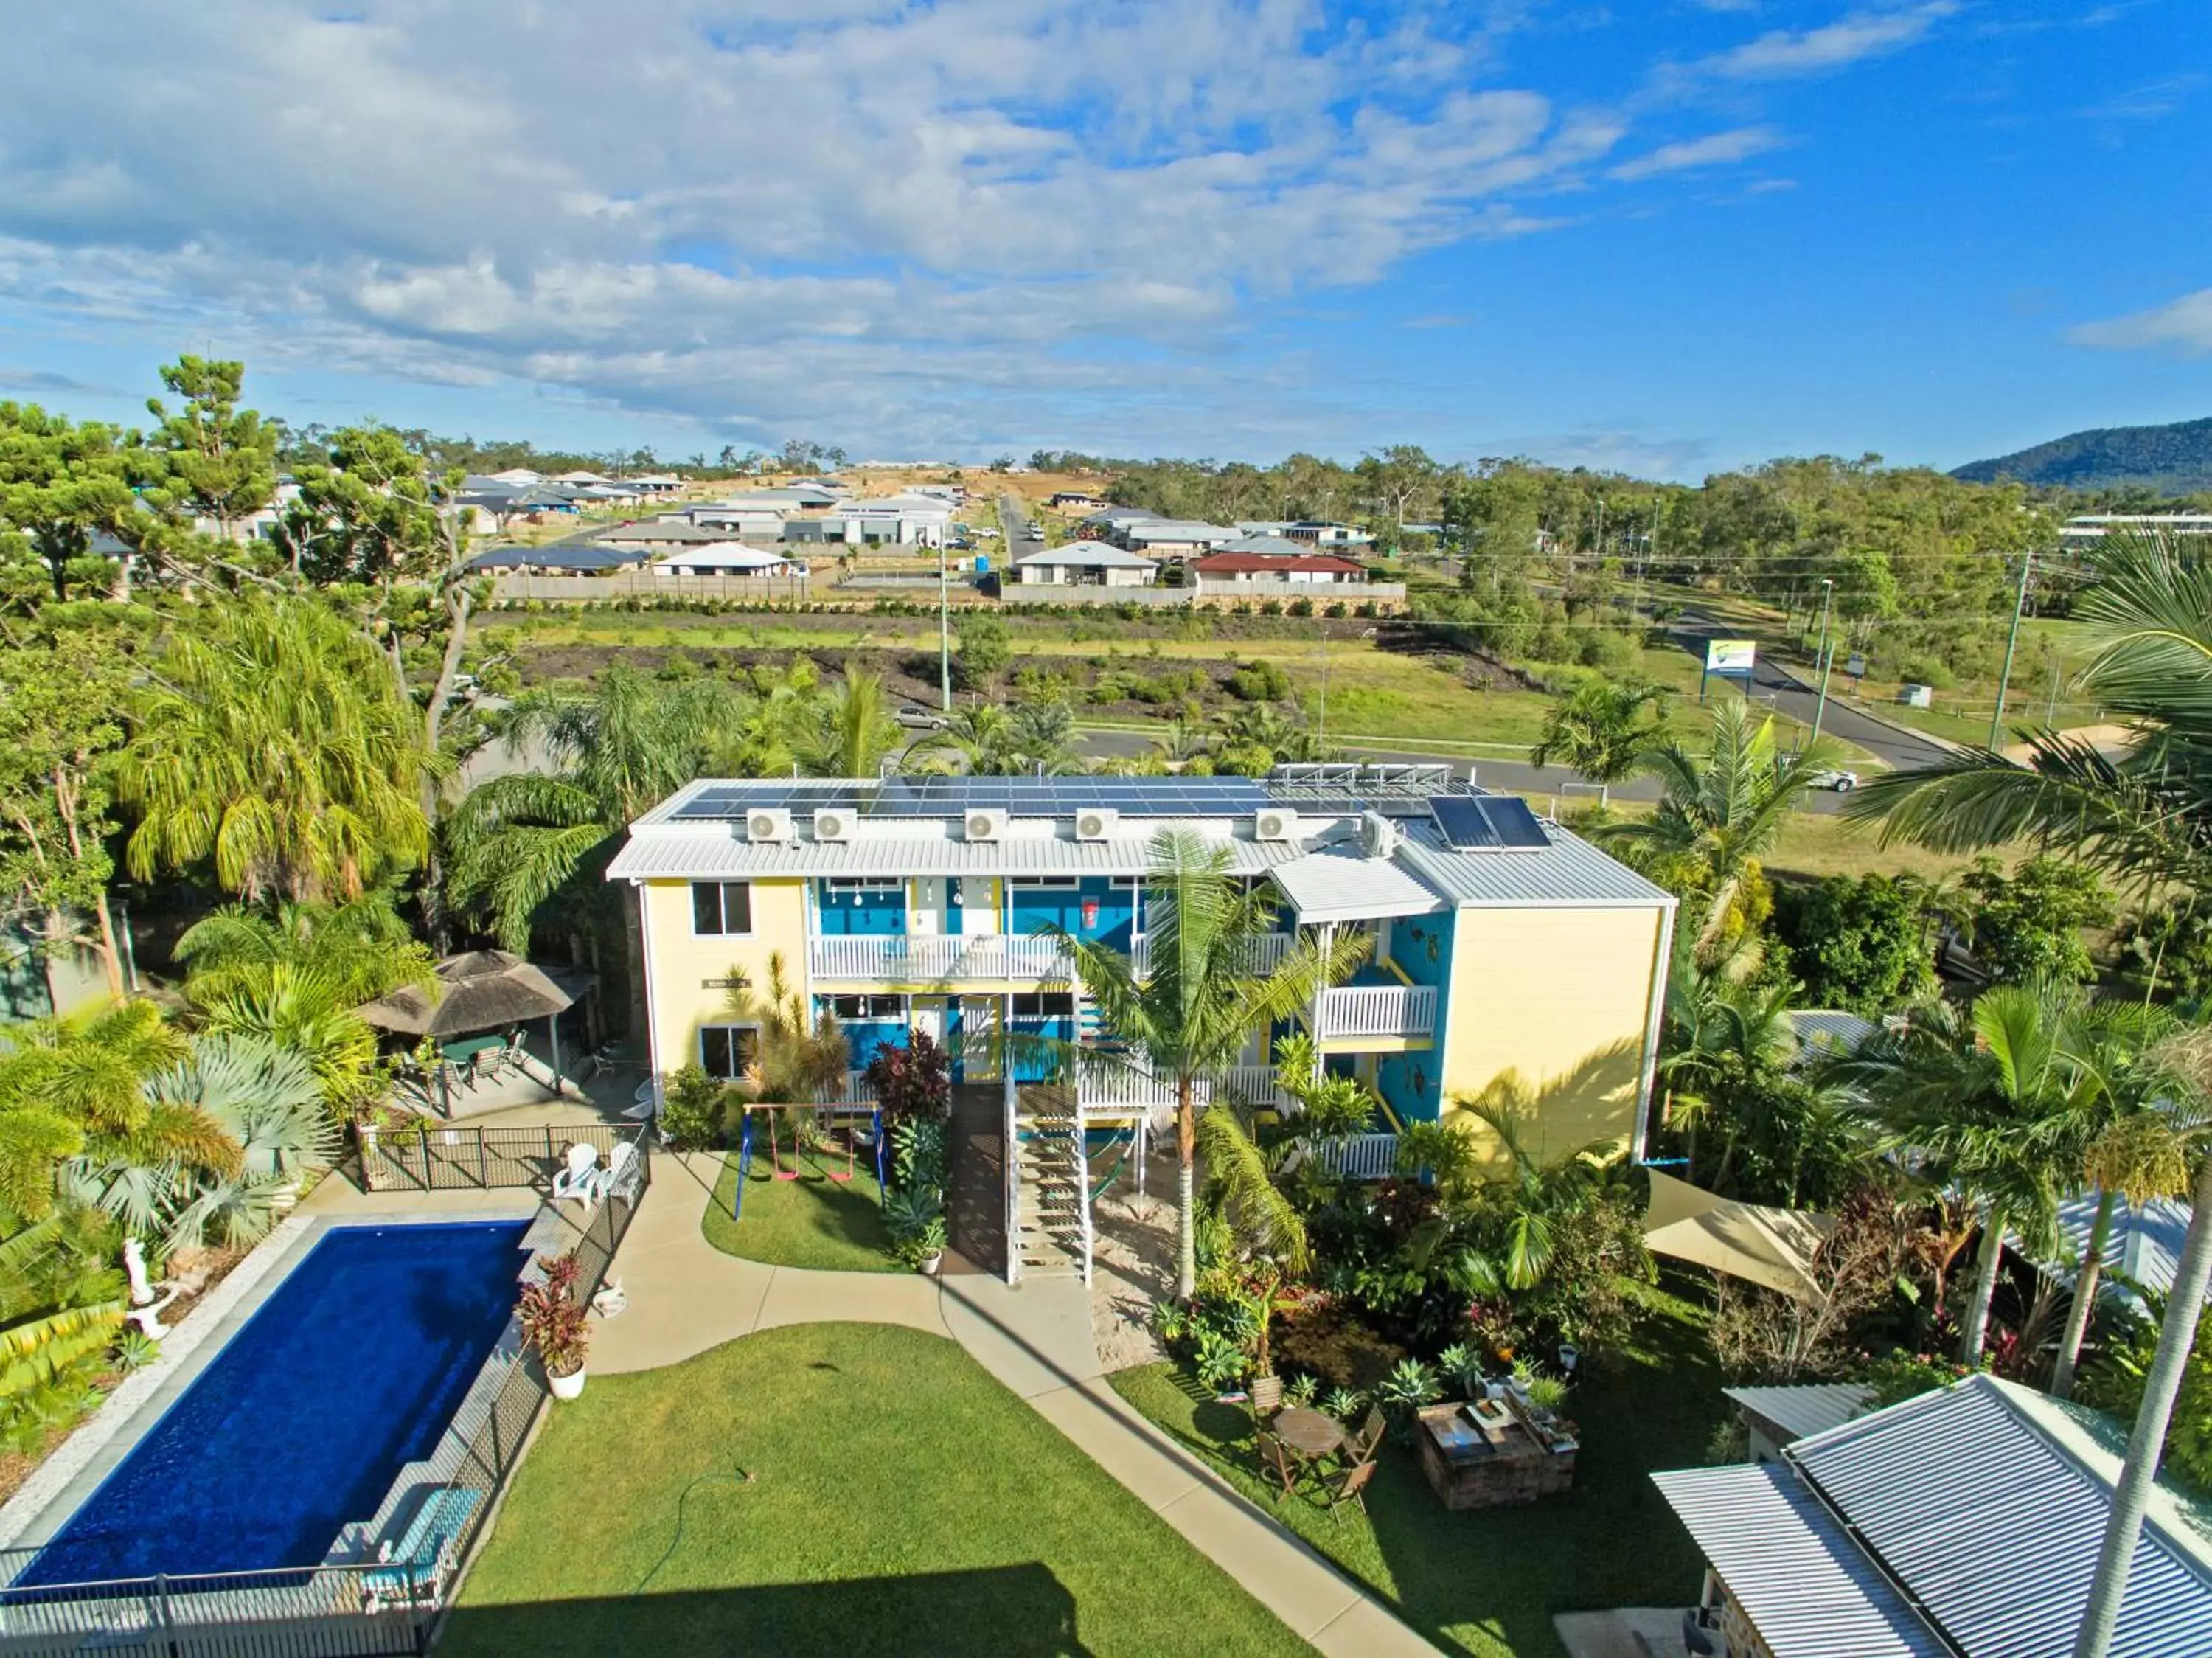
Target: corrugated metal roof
<point x="1813" y="1408"/>
<point x="1339" y="886"/>
<point x="719" y="852"/>
<point x="1091" y="554"/>
<point x="2144" y="1244"/>
<point x="1829" y="1027"/>
<point x="1811" y="1592"/>
<point x="1569" y="872"/>
<point x="1988" y="1502"/>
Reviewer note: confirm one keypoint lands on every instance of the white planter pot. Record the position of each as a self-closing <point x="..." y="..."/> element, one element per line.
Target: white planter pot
<point x="931" y="1263"/>
<point x="567" y="1387"/>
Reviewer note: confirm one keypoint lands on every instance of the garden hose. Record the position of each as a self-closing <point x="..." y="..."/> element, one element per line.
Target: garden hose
<point x="738" y="1477"/>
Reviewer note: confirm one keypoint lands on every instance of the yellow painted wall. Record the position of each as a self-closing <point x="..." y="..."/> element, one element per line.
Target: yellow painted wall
<point x="681" y="1002"/>
<point x="1564" y="998"/>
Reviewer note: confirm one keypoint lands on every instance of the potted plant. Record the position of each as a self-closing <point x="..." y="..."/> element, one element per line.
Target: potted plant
<point x="1410" y="1385"/>
<point x="916" y="1219"/>
<point x="1462" y="1364"/>
<point x="554" y="1324"/>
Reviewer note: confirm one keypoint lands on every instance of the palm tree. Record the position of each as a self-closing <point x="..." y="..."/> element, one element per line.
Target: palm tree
<point x="981" y="737"/>
<point x="1205" y="993"/>
<point x="363" y="945"/>
<point x="1603" y="728"/>
<point x="854" y="730"/>
<point x="614" y="751"/>
<point x="61" y="1306"/>
<point x="1990" y="1101"/>
<point x="274" y="741"/>
<point x="1721" y="1035"/>
<point x="266" y="1097"/>
<point x="1723" y="812"/>
<point x="1524" y="1208"/>
<point x="2142" y="1155"/>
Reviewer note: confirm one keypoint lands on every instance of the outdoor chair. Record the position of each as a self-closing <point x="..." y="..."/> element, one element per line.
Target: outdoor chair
<point x="417" y="1566"/>
<point x="619" y="1177"/>
<point x="1360" y="1447"/>
<point x="1348" y="1486"/>
<point x="1276" y="1458"/>
<point x="580" y="1178"/>
<point x="1267" y="1397"/>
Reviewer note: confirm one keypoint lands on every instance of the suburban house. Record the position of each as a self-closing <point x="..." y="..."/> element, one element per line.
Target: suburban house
<point x="726" y="558"/>
<point x="1500" y="943"/>
<point x="662" y="535"/>
<point x="1322" y="533"/>
<point x="1172" y="538"/>
<point x="749" y="521"/>
<point x="1964" y="1522"/>
<point x="560" y="558"/>
<point x="903" y="520"/>
<point x="1110" y="522"/>
<point x="1266" y="570"/>
<point x="804" y="496"/>
<point x="655" y="483"/>
<point x="1075" y="501"/>
<point x="1775" y="1418"/>
<point x="1086" y="563"/>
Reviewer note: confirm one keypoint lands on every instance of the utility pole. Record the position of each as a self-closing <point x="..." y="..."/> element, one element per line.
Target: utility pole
<point x="1827" y="655"/>
<point x="944" y="630"/>
<point x="2012" y="644"/>
<point x="1322" y="733"/>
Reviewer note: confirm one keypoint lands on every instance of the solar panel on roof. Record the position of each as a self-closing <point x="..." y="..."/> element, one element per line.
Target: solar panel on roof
<point x="1464" y="827"/>
<point x="1513" y="823"/>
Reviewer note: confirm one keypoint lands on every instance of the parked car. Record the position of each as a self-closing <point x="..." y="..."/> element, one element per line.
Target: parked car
<point x="915" y="718"/>
<point x="1834" y="777"/>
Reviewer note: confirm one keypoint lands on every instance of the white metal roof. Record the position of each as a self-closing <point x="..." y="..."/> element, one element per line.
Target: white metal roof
<point x="1569" y="872"/>
<point x="1090" y="554"/>
<point x="1341" y="886"/>
<point x="1810" y="1591"/>
<point x="1812" y="1408"/>
<point x="719" y="852"/>
<point x="1988" y="1500"/>
<point x="2144" y="1244"/>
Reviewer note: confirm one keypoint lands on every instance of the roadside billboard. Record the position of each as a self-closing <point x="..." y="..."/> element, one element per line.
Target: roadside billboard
<point x="1730" y="655"/>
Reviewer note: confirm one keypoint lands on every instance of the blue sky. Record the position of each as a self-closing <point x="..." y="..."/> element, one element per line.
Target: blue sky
<point x="1671" y="237"/>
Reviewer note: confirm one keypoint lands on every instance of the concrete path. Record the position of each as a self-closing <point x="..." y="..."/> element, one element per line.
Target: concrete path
<point x="686" y="1296"/>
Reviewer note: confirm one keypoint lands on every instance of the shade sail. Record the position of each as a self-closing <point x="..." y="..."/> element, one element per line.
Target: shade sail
<point x="477" y="991"/>
<point x="1763" y="1244"/>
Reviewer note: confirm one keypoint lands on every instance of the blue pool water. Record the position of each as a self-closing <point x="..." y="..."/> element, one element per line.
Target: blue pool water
<point x="351" y="1368"/>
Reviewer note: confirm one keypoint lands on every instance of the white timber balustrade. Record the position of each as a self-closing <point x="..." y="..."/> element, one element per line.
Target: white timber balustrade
<point x="1378" y="1011"/>
<point x="897" y="959"/>
<point x="1360" y="1156"/>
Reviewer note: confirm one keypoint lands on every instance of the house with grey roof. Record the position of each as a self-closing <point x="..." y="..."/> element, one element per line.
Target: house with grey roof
<point x="1086" y="563"/>
<point x="1172" y="538"/>
<point x="1964" y="1523"/>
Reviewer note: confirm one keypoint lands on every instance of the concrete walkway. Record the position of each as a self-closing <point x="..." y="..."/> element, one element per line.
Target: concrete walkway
<point x="686" y="1296"/>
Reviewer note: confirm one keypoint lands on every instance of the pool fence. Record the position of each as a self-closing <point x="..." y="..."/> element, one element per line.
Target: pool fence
<point x="333" y="1610"/>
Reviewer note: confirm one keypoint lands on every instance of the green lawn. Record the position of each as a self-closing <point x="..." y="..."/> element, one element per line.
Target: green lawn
<point x="841" y="1490"/>
<point x="1486" y="1582"/>
<point x="814" y="1221"/>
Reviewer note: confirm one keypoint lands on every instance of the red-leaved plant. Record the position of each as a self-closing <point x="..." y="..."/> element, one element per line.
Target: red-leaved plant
<point x="553" y="1321"/>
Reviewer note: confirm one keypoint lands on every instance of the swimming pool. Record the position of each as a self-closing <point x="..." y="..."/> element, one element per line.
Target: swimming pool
<point x="352" y="1368"/>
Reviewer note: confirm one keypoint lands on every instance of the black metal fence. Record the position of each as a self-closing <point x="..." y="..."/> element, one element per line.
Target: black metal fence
<point x="451" y="1157"/>
<point x="329" y="1611"/>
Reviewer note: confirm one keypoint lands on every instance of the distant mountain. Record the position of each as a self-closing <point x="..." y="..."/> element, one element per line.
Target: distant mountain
<point x="2174" y="459"/>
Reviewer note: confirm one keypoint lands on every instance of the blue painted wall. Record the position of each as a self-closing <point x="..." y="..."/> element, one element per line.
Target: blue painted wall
<point x="875" y="913"/>
<point x="1030" y="907"/>
<point x="1413" y="1083"/>
<point x="1034" y="1067"/>
<point x="866" y="1036"/>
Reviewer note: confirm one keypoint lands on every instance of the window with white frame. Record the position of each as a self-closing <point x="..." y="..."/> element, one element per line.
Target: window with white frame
<point x="721" y="909"/>
<point x="850" y="1008"/>
<point x="724" y="1050"/>
<point x="1045" y="883"/>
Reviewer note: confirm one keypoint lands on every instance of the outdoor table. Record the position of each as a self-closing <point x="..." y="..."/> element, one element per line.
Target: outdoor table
<point x="464" y="1052"/>
<point x="1475" y="1460"/>
<point x="1309" y="1433"/>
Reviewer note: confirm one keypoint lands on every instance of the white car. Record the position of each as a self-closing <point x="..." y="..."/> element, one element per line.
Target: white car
<point x="1834" y="777"/>
<point x="915" y="718"/>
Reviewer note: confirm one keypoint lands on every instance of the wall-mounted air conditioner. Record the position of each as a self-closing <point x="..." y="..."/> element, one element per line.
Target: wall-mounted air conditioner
<point x="768" y="823"/>
<point x="984" y="825"/>
<point x="833" y="823"/>
<point x="1095" y="822"/>
<point x="1275" y="823"/>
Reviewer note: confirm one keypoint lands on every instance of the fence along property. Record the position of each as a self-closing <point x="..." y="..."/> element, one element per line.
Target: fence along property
<point x="329" y="1610"/>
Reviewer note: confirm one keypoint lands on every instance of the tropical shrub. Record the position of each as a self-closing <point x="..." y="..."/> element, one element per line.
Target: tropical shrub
<point x="553" y="1321"/>
<point x="1326" y="1337"/>
<point x="914" y="1081"/>
<point x="2115" y="1382"/>
<point x="1862" y="945"/>
<point x="918" y="1156"/>
<point x="1409" y="1385"/>
<point x="692" y="1109"/>
<point x="2027" y="925"/>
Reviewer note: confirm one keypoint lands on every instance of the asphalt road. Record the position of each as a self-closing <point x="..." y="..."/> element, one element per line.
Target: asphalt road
<point x="1779" y="688"/>
<point x="1013" y="518"/>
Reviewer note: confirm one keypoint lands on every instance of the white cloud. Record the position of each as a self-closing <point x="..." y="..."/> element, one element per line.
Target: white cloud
<point x="1715" y="149"/>
<point x="1832" y="46"/>
<point x="2182" y="325"/>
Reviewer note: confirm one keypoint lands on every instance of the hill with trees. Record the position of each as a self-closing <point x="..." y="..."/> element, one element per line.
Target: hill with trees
<point x="2172" y="459"/>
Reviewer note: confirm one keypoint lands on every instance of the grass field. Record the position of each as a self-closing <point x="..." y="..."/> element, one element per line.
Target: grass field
<point x="834" y="1491"/>
<point x="1486" y="1582"/>
<point x="836" y="1226"/>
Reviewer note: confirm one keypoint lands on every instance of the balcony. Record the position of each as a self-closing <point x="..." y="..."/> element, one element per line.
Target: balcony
<point x="895" y="958"/>
<point x="1118" y="1091"/>
<point x="1377" y="1011"/>
<point x="933" y="961"/>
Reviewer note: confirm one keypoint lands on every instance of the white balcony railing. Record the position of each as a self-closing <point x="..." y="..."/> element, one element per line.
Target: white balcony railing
<point x="930" y="960"/>
<point x="898" y="960"/>
<point x="1377" y="1011"/>
<point x="1360" y="1156"/>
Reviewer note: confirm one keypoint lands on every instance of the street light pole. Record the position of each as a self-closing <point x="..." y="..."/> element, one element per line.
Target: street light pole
<point x="2012" y="644"/>
<point x="944" y="630"/>
<point x="1821" y="707"/>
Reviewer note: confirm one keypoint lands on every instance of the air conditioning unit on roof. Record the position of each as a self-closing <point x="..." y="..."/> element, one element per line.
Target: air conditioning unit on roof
<point x="1095" y="822"/>
<point x="768" y="823"/>
<point x="1275" y="823"/>
<point x="833" y="823"/>
<point x="985" y="824"/>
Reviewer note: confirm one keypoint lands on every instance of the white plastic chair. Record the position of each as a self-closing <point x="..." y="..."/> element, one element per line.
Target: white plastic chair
<point x="580" y="1178"/>
<point x="619" y="1177"/>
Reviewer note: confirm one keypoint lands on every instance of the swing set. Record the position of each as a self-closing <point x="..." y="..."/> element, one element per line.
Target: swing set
<point x="817" y="1135"/>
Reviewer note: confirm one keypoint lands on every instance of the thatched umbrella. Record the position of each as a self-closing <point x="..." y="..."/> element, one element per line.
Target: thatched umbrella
<point x="477" y="991"/>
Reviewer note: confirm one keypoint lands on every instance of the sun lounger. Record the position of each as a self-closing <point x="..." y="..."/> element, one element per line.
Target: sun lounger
<point x="417" y="1564"/>
<point x="580" y="1178"/>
